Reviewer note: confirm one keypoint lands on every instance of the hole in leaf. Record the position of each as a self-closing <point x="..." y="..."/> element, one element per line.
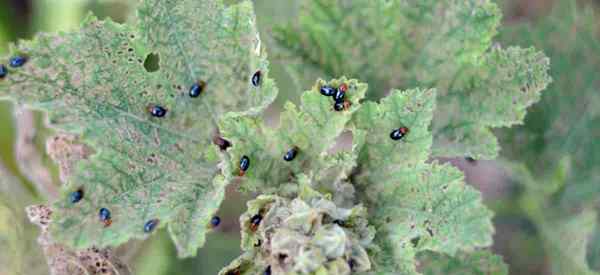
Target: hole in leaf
<point x="151" y="64"/>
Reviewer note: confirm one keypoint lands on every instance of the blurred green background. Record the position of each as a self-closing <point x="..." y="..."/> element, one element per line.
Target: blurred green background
<point x="544" y="188"/>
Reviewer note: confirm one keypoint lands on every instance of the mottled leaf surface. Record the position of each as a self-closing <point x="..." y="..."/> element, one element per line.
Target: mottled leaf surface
<point x="405" y="44"/>
<point x="312" y="128"/>
<point x="417" y="206"/>
<point x="474" y="263"/>
<point x="93" y="83"/>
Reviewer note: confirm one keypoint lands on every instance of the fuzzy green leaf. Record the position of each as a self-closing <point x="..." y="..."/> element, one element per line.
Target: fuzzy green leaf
<point x="475" y="263"/>
<point x="93" y="82"/>
<point x="404" y="44"/>
<point x="417" y="206"/>
<point x="495" y="93"/>
<point x="312" y="128"/>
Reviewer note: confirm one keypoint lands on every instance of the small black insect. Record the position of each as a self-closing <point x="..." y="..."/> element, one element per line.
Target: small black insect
<point x="157" y="111"/>
<point x="215" y="221"/>
<point x="471" y="160"/>
<point x="339" y="106"/>
<point x="197" y="88"/>
<point x="267" y="271"/>
<point x="76" y="196"/>
<point x="327" y="90"/>
<point x="3" y="71"/>
<point x="291" y="154"/>
<point x="256" y="78"/>
<point x="17" y="61"/>
<point x="351" y="264"/>
<point x="104" y="214"/>
<point x="340" y="223"/>
<point x="255" y="222"/>
<point x="339" y="95"/>
<point x="244" y="164"/>
<point x="399" y="133"/>
<point x="150" y="225"/>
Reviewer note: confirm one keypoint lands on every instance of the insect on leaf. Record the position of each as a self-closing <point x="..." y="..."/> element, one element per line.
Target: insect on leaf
<point x="153" y="153"/>
<point x="311" y="128"/>
<point x="417" y="206"/>
<point x="404" y="44"/>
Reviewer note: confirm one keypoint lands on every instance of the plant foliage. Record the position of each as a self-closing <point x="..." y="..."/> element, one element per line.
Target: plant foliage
<point x="382" y="205"/>
<point x="405" y="44"/>
<point x="413" y="205"/>
<point x="93" y="82"/>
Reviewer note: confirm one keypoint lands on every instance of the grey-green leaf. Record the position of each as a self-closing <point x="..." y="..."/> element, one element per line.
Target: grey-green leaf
<point x="417" y="206"/>
<point x="406" y="44"/>
<point x="473" y="263"/>
<point x="311" y="128"/>
<point x="93" y="83"/>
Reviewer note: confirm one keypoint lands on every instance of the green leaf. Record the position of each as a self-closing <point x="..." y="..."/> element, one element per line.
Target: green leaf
<point x="380" y="156"/>
<point x="417" y="206"/>
<point x="93" y="83"/>
<point x="475" y="263"/>
<point x="495" y="93"/>
<point x="312" y="128"/>
<point x="404" y="44"/>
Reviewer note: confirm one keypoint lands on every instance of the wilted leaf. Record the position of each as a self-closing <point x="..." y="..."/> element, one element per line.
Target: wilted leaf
<point x="93" y="82"/>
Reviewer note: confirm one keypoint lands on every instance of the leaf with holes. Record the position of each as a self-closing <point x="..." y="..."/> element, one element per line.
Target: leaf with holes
<point x="153" y="158"/>
<point x="405" y="44"/>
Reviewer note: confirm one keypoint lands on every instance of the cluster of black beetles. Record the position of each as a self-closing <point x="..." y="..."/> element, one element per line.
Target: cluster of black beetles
<point x="339" y="94"/>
